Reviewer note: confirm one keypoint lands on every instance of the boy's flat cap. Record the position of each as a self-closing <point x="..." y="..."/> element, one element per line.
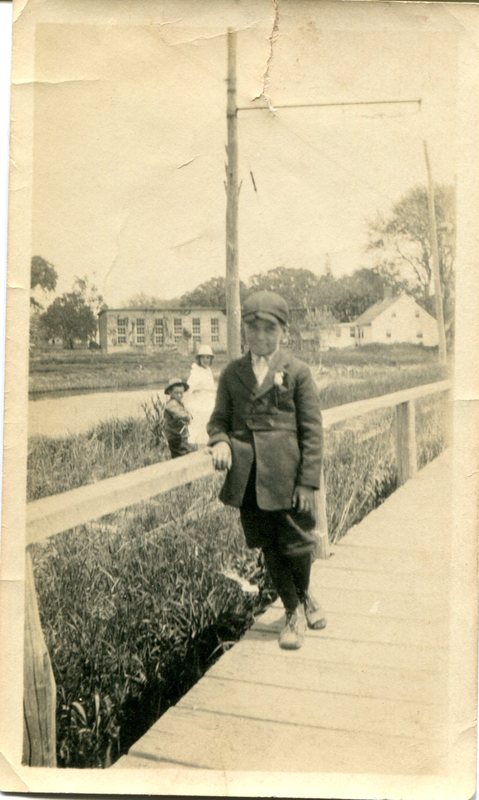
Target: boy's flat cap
<point x="265" y="305"/>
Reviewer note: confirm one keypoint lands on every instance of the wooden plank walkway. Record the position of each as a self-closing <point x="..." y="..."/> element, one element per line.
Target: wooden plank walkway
<point x="367" y="694"/>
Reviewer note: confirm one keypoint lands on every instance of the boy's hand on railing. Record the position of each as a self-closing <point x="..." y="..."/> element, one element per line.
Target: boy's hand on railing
<point x="221" y="454"/>
<point x="303" y="499"/>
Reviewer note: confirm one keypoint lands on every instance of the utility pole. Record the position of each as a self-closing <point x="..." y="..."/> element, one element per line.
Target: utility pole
<point x="233" y="310"/>
<point x="435" y="261"/>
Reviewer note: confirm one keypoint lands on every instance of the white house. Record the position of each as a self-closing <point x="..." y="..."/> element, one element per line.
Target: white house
<point x="396" y="319"/>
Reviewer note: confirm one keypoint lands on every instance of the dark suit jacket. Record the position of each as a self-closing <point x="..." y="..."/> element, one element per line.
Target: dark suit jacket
<point x="278" y="426"/>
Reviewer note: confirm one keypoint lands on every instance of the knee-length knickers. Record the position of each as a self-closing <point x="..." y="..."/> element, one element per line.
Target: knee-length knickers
<point x="287" y="531"/>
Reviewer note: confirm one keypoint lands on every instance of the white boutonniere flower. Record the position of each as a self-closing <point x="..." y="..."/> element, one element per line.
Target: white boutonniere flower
<point x="278" y="378"/>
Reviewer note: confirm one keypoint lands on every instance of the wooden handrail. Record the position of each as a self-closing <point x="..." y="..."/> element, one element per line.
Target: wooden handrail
<point x="60" y="512"/>
<point x="349" y="410"/>
<point x="57" y="513"/>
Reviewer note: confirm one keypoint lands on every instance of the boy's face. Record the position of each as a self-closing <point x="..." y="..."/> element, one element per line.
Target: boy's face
<point x="177" y="393"/>
<point x="263" y="336"/>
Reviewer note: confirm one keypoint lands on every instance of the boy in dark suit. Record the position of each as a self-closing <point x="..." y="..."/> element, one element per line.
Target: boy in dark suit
<point x="266" y="431"/>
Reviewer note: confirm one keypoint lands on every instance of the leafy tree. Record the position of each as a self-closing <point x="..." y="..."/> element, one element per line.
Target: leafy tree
<point x="328" y="291"/>
<point x="69" y="317"/>
<point x="43" y="275"/>
<point x="299" y="287"/>
<point x="210" y="293"/>
<point x="402" y="244"/>
<point x="355" y="293"/>
<point x="89" y="293"/>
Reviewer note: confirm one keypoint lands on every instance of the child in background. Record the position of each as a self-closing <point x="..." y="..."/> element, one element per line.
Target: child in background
<point x="177" y="419"/>
<point x="200" y="398"/>
<point x="266" y="431"/>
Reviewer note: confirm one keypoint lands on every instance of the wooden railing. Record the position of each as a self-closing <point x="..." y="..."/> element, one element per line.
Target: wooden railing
<point x="52" y="515"/>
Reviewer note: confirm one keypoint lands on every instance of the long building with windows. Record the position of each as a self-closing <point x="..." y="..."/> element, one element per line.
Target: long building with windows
<point x="151" y="329"/>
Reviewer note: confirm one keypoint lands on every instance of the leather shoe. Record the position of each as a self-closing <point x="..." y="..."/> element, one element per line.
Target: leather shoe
<point x="292" y="635"/>
<point x="314" y="613"/>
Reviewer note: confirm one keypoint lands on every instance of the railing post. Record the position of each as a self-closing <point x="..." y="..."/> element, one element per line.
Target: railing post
<point x="406" y="441"/>
<point x="321" y="530"/>
<point x="39" y="690"/>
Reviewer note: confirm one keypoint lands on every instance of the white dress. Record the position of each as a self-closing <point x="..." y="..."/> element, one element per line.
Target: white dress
<point x="200" y="401"/>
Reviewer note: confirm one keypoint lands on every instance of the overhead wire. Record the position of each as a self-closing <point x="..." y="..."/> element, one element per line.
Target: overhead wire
<point x="325" y="155"/>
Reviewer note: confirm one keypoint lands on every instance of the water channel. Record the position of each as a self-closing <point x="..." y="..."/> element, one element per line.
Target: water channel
<point x="61" y="416"/>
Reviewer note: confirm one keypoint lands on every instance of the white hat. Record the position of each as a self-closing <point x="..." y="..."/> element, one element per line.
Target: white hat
<point x="204" y="350"/>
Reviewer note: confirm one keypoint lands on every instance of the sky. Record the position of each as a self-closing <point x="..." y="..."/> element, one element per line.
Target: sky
<point x="130" y="130"/>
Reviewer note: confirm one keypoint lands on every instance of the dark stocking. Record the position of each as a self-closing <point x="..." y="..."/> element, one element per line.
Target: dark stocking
<point x="300" y="567"/>
<point x="279" y="569"/>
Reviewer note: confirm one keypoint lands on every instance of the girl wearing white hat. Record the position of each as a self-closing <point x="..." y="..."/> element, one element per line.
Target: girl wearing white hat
<point x="201" y="395"/>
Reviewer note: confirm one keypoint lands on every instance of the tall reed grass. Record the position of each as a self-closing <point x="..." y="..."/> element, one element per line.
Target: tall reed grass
<point x="362" y="382"/>
<point x="134" y="612"/>
<point x="110" y="448"/>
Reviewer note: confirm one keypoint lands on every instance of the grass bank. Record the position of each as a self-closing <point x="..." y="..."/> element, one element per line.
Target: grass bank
<point x="74" y="371"/>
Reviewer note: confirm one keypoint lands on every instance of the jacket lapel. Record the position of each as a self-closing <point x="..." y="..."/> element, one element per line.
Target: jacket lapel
<point x="244" y="370"/>
<point x="277" y="363"/>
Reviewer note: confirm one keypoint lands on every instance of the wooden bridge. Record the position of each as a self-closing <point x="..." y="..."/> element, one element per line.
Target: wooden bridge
<point x="367" y="694"/>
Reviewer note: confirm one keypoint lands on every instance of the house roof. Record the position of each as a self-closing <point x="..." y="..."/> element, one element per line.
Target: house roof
<point x="375" y="310"/>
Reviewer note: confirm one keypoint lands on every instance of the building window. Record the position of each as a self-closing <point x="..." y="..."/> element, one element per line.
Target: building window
<point x="140" y="331"/>
<point x="352" y="331"/>
<point x="121" y="326"/>
<point x="388" y="334"/>
<point x="177" y="328"/>
<point x="393" y="314"/>
<point x="338" y="332"/>
<point x="196" y="329"/>
<point x="159" y="332"/>
<point x="417" y="314"/>
<point x="419" y="335"/>
<point x="215" y="329"/>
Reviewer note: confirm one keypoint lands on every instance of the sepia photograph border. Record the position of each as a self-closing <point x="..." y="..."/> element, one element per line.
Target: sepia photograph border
<point x="15" y="777"/>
